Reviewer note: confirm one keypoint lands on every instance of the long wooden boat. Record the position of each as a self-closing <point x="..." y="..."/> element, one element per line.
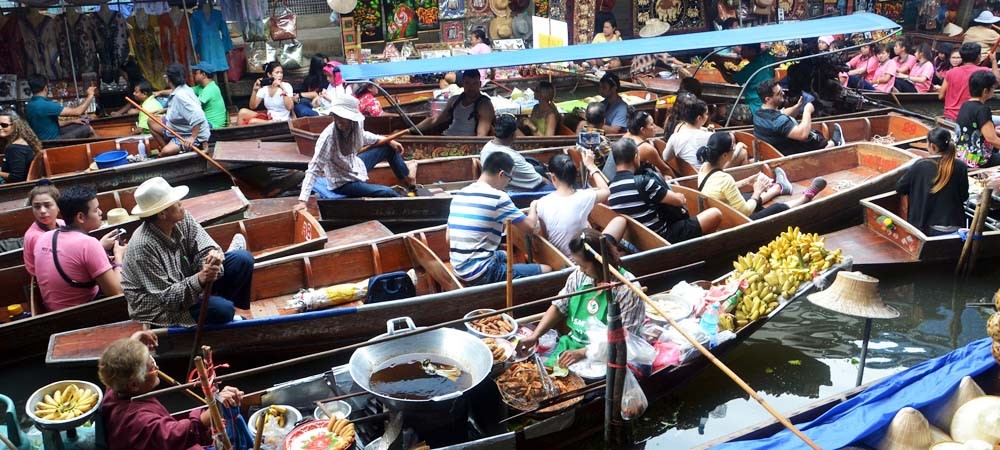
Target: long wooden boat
<point x="968" y="358"/>
<point x="268" y="237"/>
<point x="112" y="127"/>
<point x="911" y="99"/>
<point x="206" y="209"/>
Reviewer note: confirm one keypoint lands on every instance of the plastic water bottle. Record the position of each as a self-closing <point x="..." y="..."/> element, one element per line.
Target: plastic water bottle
<point x="142" y="148"/>
<point x="710" y="324"/>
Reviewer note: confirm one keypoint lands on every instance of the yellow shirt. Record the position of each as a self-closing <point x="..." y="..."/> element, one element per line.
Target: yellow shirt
<point x="722" y="187"/>
<point x="600" y="39"/>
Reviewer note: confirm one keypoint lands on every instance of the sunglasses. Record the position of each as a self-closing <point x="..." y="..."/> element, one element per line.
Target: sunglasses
<point x="5" y="124"/>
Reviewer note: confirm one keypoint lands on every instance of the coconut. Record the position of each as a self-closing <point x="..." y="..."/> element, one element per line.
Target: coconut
<point x="996" y="351"/>
<point x="996" y="300"/>
<point x="993" y="326"/>
<point x="909" y="430"/>
<point x="977" y="419"/>
<point x="967" y="390"/>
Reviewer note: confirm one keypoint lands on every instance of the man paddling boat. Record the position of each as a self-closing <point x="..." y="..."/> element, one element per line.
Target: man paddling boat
<point x="468" y="114"/>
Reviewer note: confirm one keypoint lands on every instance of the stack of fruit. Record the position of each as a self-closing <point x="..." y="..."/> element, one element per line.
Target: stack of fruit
<point x="776" y="271"/>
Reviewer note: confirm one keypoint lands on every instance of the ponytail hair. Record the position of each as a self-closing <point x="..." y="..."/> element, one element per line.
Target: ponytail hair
<point x="941" y="138"/>
<point x="592" y="237"/>
<point x="561" y="166"/>
<point x="719" y="143"/>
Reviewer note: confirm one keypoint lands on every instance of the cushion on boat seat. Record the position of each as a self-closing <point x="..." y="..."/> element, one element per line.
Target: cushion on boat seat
<point x="322" y="190"/>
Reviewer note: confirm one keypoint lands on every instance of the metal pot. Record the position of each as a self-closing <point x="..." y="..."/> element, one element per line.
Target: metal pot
<point x="471" y="354"/>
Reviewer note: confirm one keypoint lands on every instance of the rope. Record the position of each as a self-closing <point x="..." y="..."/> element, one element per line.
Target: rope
<point x="884" y="140"/>
<point x="209" y="393"/>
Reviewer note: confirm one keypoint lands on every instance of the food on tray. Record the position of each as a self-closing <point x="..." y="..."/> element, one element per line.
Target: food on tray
<point x="521" y="387"/>
<point x="499" y="351"/>
<point x="343" y="431"/>
<point x="493" y="325"/>
<point x="67" y="403"/>
<point x="275" y="411"/>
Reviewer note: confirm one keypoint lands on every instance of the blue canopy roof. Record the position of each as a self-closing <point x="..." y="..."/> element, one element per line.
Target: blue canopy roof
<point x="854" y="23"/>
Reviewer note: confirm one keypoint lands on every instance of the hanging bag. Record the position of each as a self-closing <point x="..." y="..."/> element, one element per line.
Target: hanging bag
<point x="283" y="25"/>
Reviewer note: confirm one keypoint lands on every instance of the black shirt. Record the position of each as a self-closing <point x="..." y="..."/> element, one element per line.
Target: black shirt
<point x="944" y="207"/>
<point x="16" y="161"/>
<point x="771" y="126"/>
<point x="971" y="118"/>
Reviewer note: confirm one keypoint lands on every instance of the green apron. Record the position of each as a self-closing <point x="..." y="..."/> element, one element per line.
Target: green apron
<point x="579" y="310"/>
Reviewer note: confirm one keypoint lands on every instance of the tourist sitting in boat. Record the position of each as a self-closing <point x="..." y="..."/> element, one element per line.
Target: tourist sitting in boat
<point x="71" y="266"/>
<point x="900" y="65"/>
<point x="590" y="136"/>
<point x="367" y="95"/>
<point x="44" y="115"/>
<point x="689" y="134"/>
<point x="184" y="116"/>
<point x="609" y="33"/>
<point x="578" y="310"/>
<point x="467" y="114"/>
<point x="210" y="96"/>
<point x="714" y="182"/>
<point x="144" y="95"/>
<point x="312" y="85"/>
<point x="885" y="73"/>
<point x="975" y="128"/>
<point x="982" y="33"/>
<point x="955" y="87"/>
<point x="616" y="111"/>
<point x="523" y="177"/>
<point x="642" y="131"/>
<point x="862" y="69"/>
<point x="18" y="145"/>
<point x="476" y="223"/>
<point x="274" y="92"/>
<point x="172" y="260"/>
<point x="947" y="58"/>
<point x="563" y="214"/>
<point x="775" y="125"/>
<point x="544" y="119"/>
<point x="128" y="370"/>
<point x="341" y="158"/>
<point x="644" y="196"/>
<point x="44" y="202"/>
<point x="920" y="77"/>
<point x="937" y="187"/>
<point x="757" y="59"/>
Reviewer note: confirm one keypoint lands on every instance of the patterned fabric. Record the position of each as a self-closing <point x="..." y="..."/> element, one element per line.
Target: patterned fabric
<point x="632" y="308"/>
<point x="112" y="44"/>
<point x="41" y="45"/>
<point x="143" y="38"/>
<point x="160" y="274"/>
<point x="584" y="12"/>
<point x="211" y="39"/>
<point x="11" y="53"/>
<point x="86" y="31"/>
<point x="330" y="161"/>
<point x="175" y="41"/>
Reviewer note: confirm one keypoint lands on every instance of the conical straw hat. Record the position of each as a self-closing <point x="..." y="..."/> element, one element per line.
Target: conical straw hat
<point x="654" y="27"/>
<point x="854" y="294"/>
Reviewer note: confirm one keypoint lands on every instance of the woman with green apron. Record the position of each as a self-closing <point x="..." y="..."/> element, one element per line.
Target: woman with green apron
<point x="577" y="310"/>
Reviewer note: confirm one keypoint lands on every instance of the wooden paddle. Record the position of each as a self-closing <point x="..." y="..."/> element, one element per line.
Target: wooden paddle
<point x="385" y="140"/>
<point x="247" y="189"/>
<point x="704" y="351"/>
<point x="174" y="382"/>
<point x="975" y="229"/>
<point x="202" y="314"/>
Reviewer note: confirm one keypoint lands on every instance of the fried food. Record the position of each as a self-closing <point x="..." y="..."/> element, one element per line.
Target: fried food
<point x="275" y="411"/>
<point x="493" y="326"/>
<point x="498" y="351"/>
<point x="344" y="430"/>
<point x="67" y="403"/>
<point x="521" y="387"/>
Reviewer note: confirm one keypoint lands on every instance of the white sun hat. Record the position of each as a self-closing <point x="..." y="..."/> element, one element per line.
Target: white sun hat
<point x="155" y="195"/>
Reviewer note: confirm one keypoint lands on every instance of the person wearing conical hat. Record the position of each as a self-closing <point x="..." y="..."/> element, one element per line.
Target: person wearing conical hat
<point x="171" y="261"/>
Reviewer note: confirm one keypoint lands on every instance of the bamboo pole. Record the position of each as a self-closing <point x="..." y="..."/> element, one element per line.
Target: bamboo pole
<point x="202" y="315"/>
<point x="984" y="202"/>
<point x="975" y="229"/>
<point x="174" y="382"/>
<point x="259" y="437"/>
<point x="510" y="264"/>
<point x="704" y="351"/>
<point x="213" y="406"/>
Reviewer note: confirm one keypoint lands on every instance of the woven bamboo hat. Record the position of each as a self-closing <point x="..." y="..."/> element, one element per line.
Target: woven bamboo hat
<point x="854" y="294"/>
<point x="118" y="215"/>
<point x="654" y="27"/>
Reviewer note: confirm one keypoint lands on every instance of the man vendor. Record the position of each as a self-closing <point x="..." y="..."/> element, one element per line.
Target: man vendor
<point x="184" y="116"/>
<point x="43" y="114"/>
<point x="171" y="260"/>
<point x="467" y="114"/>
<point x="580" y="309"/>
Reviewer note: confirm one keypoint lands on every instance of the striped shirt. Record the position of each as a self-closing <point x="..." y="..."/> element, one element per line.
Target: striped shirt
<point x="475" y="225"/>
<point x="626" y="199"/>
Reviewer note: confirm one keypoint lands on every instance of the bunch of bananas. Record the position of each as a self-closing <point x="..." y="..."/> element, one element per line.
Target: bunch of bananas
<point x="776" y="271"/>
<point x="344" y="430"/>
<point x="278" y="412"/>
<point x="67" y="403"/>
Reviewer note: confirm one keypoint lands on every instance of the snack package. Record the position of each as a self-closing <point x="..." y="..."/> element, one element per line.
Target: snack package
<point x="634" y="401"/>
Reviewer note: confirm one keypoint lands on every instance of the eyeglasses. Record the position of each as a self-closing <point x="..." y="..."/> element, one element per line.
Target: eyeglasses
<point x="505" y="174"/>
<point x="5" y="124"/>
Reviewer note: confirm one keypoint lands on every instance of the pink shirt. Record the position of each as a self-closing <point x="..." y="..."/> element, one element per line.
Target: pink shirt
<point x="957" y="79"/>
<point x="146" y="424"/>
<point x="481" y="49"/>
<point x="925" y="70"/>
<point x="889" y="68"/>
<point x="907" y="63"/>
<point x="81" y="257"/>
<point x="870" y="65"/>
<point x="30" y="236"/>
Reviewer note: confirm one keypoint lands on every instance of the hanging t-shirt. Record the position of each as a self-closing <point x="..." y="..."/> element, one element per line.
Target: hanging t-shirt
<point x="566" y="216"/>
<point x="275" y="103"/>
<point x="82" y="259"/>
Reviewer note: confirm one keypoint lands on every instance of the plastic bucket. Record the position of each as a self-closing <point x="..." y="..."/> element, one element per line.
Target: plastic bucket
<point x="111" y="159"/>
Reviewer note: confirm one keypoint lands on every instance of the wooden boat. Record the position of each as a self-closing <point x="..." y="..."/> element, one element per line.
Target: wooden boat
<point x="268" y="237"/>
<point x="206" y="209"/>
<point x="988" y="380"/>
<point x="73" y="165"/>
<point x="873" y="243"/>
<point x="111" y="127"/>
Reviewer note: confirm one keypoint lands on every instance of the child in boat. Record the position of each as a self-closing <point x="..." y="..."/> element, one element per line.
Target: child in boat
<point x="44" y="202"/>
<point x="578" y="310"/>
<point x="717" y="184"/>
<point x="18" y="145"/>
<point x="937" y="187"/>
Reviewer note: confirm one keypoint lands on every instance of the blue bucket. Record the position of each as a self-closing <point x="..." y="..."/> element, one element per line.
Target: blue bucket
<point x="111" y="159"/>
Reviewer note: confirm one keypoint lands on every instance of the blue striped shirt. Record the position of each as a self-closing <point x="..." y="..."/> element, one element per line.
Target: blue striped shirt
<point x="475" y="226"/>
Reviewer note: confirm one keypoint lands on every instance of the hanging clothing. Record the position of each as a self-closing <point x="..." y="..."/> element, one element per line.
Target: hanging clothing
<point x="154" y="8"/>
<point x="67" y="59"/>
<point x="86" y="31"/>
<point x="146" y="49"/>
<point x="232" y="11"/>
<point x="112" y="44"/>
<point x="175" y="40"/>
<point x="11" y="49"/>
<point x="41" y="46"/>
<point x="255" y="13"/>
<point x="211" y="39"/>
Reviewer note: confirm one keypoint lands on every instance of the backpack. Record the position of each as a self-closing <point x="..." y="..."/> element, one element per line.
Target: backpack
<point x="666" y="213"/>
<point x="474" y="115"/>
<point x="390" y="286"/>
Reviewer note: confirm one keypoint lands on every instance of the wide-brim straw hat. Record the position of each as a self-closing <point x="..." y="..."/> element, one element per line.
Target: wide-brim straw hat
<point x="854" y="294"/>
<point x="952" y="30"/>
<point x="346" y="107"/>
<point x="155" y="195"/>
<point x="342" y="6"/>
<point x="653" y="28"/>
<point x="117" y="216"/>
<point x="986" y="17"/>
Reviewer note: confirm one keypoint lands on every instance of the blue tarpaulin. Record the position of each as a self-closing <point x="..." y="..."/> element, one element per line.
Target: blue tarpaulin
<point x="863" y="417"/>
<point x="854" y="23"/>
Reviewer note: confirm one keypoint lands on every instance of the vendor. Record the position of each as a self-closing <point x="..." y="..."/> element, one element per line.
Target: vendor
<point x="128" y="370"/>
<point x="578" y="309"/>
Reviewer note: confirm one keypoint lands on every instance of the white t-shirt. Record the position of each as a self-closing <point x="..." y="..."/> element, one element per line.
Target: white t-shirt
<point x="566" y="217"/>
<point x="684" y="144"/>
<point x="275" y="104"/>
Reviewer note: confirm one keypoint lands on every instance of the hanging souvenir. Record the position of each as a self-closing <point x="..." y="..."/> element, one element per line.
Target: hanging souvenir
<point x="427" y="15"/>
<point x="478" y="7"/>
<point x="400" y="20"/>
<point x="502" y="25"/>
<point x="584" y="15"/>
<point x="451" y="9"/>
<point x="368" y="17"/>
<point x="890" y="9"/>
<point x="542" y="8"/>
<point x="453" y="32"/>
<point x="349" y="31"/>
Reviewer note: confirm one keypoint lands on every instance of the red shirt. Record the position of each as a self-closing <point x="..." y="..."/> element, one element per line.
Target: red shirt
<point x="958" y="88"/>
<point x="146" y="424"/>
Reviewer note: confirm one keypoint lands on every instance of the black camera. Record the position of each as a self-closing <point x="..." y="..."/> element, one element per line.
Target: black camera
<point x="266" y="81"/>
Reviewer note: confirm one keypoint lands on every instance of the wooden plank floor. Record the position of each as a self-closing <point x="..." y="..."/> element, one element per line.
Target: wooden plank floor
<point x="866" y="246"/>
<point x="835" y="182"/>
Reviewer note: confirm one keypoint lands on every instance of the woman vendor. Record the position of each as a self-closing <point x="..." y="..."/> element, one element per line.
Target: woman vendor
<point x="578" y="309"/>
<point x="937" y="187"/>
<point x="128" y="370"/>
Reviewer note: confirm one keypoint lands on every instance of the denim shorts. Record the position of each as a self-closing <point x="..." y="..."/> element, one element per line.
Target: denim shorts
<point x="496" y="270"/>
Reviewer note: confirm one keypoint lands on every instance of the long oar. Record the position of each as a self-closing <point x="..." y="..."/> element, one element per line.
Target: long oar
<point x="704" y="351"/>
<point x="385" y="140"/>
<point x="174" y="382"/>
<point x="965" y="260"/>
<point x="202" y="314"/>
<point x="247" y="189"/>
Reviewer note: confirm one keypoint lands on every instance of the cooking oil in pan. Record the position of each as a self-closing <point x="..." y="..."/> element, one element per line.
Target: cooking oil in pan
<point x="407" y="377"/>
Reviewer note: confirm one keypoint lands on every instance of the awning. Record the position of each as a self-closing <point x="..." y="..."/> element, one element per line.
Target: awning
<point x="854" y="23"/>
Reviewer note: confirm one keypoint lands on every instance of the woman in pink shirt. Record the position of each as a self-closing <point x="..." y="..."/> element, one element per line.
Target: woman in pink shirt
<point x="863" y="67"/>
<point x="885" y="74"/>
<point x="921" y="74"/>
<point x="480" y="46"/>
<point x="43" y="200"/>
<point x="904" y="62"/>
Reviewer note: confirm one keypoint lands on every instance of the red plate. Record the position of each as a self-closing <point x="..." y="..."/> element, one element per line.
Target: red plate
<point x="311" y="435"/>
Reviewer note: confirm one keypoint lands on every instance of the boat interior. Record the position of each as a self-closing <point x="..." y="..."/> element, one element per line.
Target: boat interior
<point x="273" y="236"/>
<point x="78" y="158"/>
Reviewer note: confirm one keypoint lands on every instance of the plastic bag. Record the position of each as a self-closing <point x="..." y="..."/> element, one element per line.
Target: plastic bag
<point x="289" y="53"/>
<point x="284" y="25"/>
<point x="639" y="351"/>
<point x="597" y="334"/>
<point x="634" y="401"/>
